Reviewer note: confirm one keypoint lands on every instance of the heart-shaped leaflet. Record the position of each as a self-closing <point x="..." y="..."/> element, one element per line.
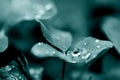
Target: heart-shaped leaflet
<point x="88" y="49"/>
<point x="60" y="39"/>
<point x="42" y="50"/>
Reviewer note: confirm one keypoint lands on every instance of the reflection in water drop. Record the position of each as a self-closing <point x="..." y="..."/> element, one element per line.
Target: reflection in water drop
<point x="76" y="53"/>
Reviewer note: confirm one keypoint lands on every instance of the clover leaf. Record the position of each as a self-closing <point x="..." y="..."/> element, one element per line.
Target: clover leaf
<point x="85" y="51"/>
<point x="58" y="38"/>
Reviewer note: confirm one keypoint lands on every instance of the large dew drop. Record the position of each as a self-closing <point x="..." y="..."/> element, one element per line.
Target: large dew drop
<point x="88" y="49"/>
<point x="3" y="41"/>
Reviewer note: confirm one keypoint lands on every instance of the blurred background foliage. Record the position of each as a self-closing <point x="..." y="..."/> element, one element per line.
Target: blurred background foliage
<point x="82" y="18"/>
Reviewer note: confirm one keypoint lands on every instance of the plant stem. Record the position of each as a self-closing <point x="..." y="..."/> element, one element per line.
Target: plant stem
<point x="63" y="70"/>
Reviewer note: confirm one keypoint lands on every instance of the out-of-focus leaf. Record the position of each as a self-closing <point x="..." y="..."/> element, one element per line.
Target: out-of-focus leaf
<point x="108" y="66"/>
<point x="36" y="71"/>
<point x="11" y="72"/>
<point x="39" y="9"/>
<point x="90" y="76"/>
<point x="111" y="27"/>
<point x="112" y="74"/>
<point x="58" y="38"/>
<point x="80" y="75"/>
<point x="110" y="3"/>
<point x="3" y="41"/>
<point x="14" y="11"/>
<point x="48" y="9"/>
<point x="88" y="49"/>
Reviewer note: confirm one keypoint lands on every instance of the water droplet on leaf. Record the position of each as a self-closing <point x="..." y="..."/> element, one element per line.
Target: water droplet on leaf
<point x="48" y="11"/>
<point x="43" y="50"/>
<point x="85" y="43"/>
<point x="97" y="40"/>
<point x="98" y="46"/>
<point x="88" y="52"/>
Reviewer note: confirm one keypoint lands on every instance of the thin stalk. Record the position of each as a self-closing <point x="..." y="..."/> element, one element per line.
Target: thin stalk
<point x="63" y="70"/>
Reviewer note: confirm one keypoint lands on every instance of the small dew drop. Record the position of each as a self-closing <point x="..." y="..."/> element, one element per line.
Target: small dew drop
<point x="97" y="40"/>
<point x="94" y="56"/>
<point x="87" y="56"/>
<point x="98" y="46"/>
<point x="48" y="6"/>
<point x="83" y="57"/>
<point x="85" y="43"/>
<point x="39" y="44"/>
<point x="53" y="53"/>
<point x="40" y="14"/>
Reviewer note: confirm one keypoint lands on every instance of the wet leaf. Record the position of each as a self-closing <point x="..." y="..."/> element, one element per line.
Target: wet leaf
<point x="85" y="51"/>
<point x="42" y="50"/>
<point x="58" y="38"/>
<point x="88" y="49"/>
<point x="3" y="41"/>
<point x="111" y="27"/>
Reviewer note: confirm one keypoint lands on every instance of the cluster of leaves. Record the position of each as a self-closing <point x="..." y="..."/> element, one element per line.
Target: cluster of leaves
<point x="59" y="45"/>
